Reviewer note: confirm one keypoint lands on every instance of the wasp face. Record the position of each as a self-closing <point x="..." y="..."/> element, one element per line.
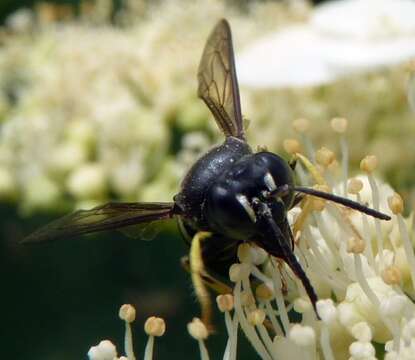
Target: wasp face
<point x="230" y="205"/>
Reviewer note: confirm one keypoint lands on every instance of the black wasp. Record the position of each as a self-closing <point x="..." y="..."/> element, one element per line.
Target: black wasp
<point x="231" y="192"/>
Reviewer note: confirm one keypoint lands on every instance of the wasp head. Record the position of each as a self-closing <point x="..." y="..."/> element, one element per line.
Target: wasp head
<point x="231" y="205"/>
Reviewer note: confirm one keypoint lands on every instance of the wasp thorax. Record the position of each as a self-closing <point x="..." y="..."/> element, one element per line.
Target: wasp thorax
<point x="229" y="204"/>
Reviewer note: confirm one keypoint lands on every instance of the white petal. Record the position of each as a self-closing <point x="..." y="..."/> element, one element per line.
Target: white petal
<point x="288" y="58"/>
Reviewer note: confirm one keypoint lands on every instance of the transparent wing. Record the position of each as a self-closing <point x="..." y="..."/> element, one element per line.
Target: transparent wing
<point x="104" y="217"/>
<point x="145" y="231"/>
<point x="218" y="85"/>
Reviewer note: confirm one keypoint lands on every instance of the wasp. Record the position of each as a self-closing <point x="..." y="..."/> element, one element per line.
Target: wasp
<point x="231" y="193"/>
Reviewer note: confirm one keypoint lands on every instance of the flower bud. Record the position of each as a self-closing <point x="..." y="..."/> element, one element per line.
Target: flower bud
<point x="225" y="302"/>
<point x="369" y="163"/>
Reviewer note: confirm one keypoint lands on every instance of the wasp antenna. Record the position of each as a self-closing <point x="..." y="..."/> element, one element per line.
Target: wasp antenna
<point x="343" y="201"/>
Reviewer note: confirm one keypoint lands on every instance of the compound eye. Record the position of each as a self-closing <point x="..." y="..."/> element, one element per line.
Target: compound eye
<point x="230" y="213"/>
<point x="277" y="173"/>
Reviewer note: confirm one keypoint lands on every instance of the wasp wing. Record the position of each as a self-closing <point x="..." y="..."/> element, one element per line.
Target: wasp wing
<point x="218" y="85"/>
<point x="145" y="231"/>
<point x="104" y="217"/>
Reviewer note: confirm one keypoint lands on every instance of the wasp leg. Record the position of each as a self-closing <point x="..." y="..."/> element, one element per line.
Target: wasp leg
<point x="210" y="281"/>
<point x="197" y="268"/>
<point x="221" y="288"/>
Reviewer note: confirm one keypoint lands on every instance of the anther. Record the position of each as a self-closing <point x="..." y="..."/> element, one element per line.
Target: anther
<point x="354" y="186"/>
<point x="355" y="245"/>
<point x="225" y="302"/>
<point x="395" y="203"/>
<point x="155" y="326"/>
<point x="291" y="146"/>
<point x="325" y="156"/>
<point x="369" y="163"/>
<point x="197" y="329"/>
<point x="256" y="317"/>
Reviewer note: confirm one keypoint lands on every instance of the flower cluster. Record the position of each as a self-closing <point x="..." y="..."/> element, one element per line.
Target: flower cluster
<point x="362" y="269"/>
<point x="92" y="110"/>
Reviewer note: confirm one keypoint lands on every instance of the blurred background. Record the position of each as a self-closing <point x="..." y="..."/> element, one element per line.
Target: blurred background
<point x="98" y="102"/>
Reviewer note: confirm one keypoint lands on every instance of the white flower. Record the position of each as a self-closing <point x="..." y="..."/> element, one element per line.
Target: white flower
<point x="67" y="156"/>
<point x="363" y="308"/>
<point x="21" y="20"/>
<point x="88" y="182"/>
<point x="288" y="58"/>
<point x="105" y="350"/>
<point x="40" y="193"/>
<point x="341" y="37"/>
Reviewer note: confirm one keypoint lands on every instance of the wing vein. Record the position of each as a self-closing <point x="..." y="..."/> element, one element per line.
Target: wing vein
<point x="218" y="85"/>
